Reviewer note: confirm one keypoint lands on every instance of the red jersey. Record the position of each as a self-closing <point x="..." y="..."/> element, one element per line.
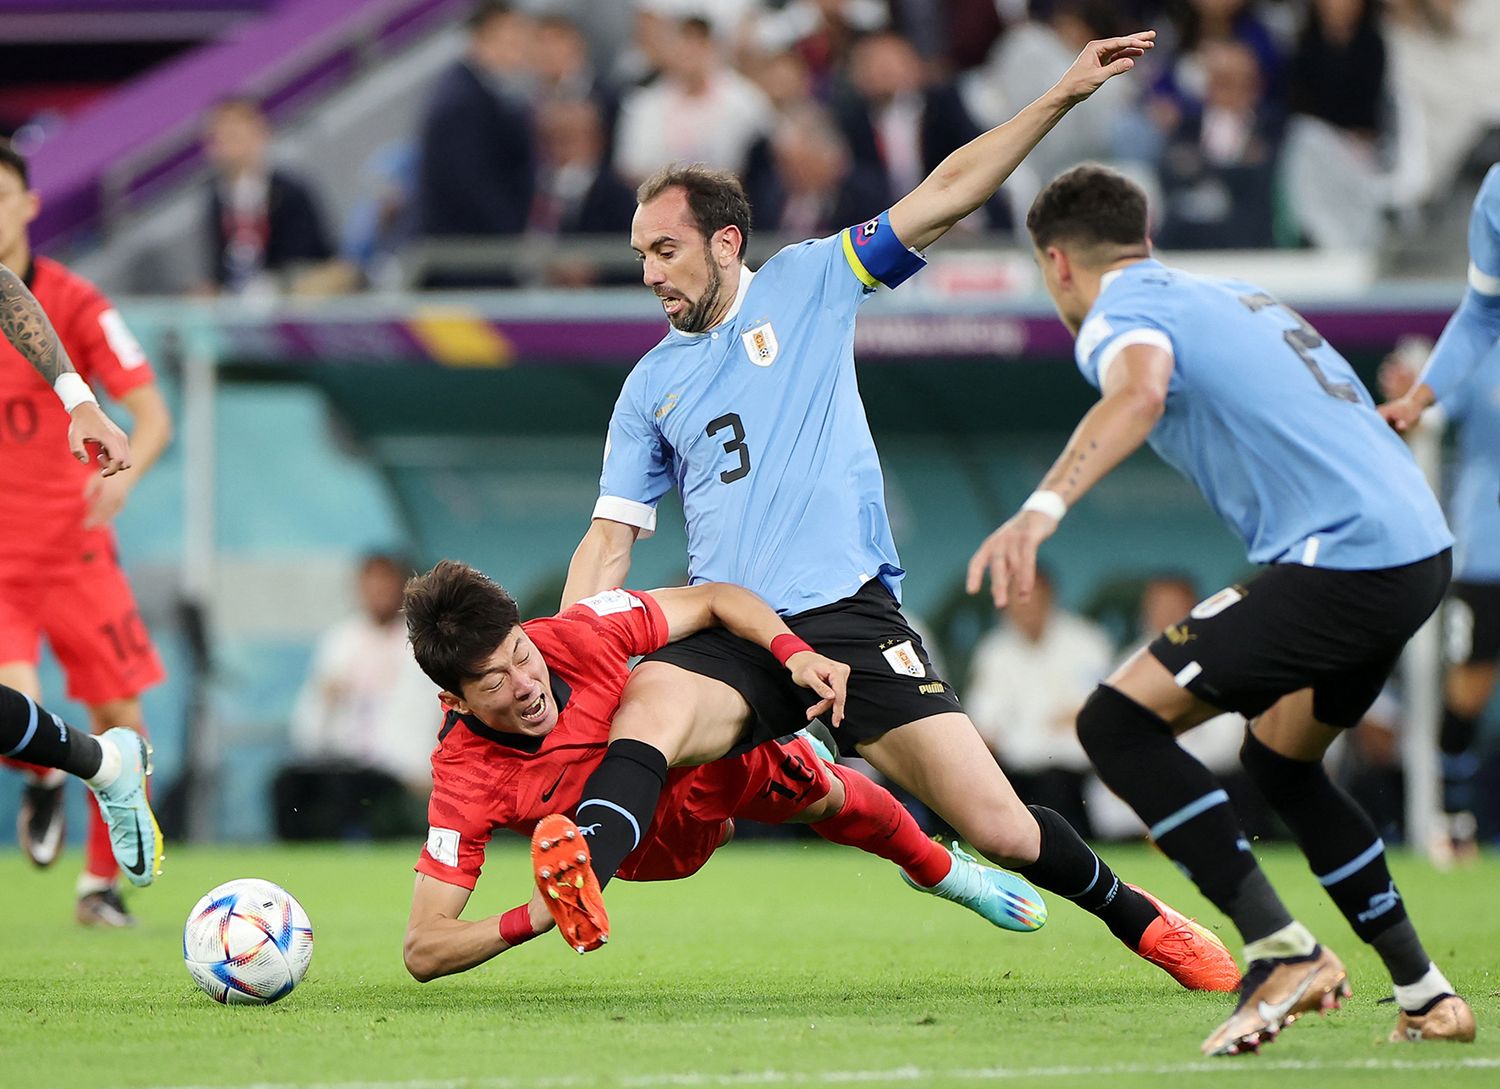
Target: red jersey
<point x="41" y="485"/>
<point x="483" y="779"/>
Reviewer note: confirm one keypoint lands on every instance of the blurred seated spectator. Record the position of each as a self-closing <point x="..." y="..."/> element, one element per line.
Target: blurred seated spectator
<point x="812" y="188"/>
<point x="564" y="72"/>
<point x="699" y="110"/>
<point x="899" y="128"/>
<point x="1028" y="679"/>
<point x="363" y="727"/>
<point x="476" y="162"/>
<point x="1182" y="82"/>
<point x="1218" y="175"/>
<point x="577" y="192"/>
<point x="1022" y="66"/>
<point x="1166" y="600"/>
<point x="1335" y="176"/>
<point x="819" y="32"/>
<point x="263" y="223"/>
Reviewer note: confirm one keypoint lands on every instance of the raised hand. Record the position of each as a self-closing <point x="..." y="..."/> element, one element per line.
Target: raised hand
<point x="1101" y="61"/>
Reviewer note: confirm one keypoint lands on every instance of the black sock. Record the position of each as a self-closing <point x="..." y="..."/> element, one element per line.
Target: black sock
<point x="1460" y="763"/>
<point x="1183" y="805"/>
<point x="1070" y="868"/>
<point x="1342" y="848"/>
<point x="33" y="734"/>
<point x="619" y="801"/>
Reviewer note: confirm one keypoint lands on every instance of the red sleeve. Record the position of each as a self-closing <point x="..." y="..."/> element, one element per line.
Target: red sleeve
<point x="630" y="618"/>
<point x="101" y="346"/>
<point x="456" y="837"/>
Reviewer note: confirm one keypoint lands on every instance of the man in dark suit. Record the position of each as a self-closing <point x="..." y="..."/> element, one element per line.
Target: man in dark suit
<point x="262" y="222"/>
<point x="898" y="125"/>
<point x="477" y="160"/>
<point x="810" y="185"/>
<point x="578" y="192"/>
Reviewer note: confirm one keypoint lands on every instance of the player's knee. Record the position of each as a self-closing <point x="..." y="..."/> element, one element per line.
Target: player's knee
<point x="1107" y="721"/>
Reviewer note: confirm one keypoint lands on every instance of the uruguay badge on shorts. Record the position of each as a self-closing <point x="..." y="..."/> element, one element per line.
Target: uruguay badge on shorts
<point x="902" y="657"/>
<point x="760" y="344"/>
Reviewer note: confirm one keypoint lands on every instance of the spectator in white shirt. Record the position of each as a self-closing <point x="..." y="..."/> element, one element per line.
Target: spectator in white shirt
<point x="364" y="725"/>
<point x="699" y="110"/>
<point x="1029" y="678"/>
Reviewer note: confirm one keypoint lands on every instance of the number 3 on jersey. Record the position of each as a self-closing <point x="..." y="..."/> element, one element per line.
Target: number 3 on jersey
<point x="734" y="445"/>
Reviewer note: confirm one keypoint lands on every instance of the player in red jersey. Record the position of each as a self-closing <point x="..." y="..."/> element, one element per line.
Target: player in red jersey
<point x="59" y="575"/>
<point x="529" y="709"/>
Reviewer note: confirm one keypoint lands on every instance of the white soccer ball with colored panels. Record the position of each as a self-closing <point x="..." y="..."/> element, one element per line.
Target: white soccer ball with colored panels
<point x="247" y="942"/>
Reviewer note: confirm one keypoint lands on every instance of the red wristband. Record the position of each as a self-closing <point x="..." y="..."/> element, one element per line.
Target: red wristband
<point x="784" y="646"/>
<point x="515" y="926"/>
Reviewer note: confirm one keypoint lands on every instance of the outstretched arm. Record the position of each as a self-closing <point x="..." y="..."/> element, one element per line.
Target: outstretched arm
<point x="25" y="325"/>
<point x="1470" y="335"/>
<point x="972" y="174"/>
<point x="1135" y="395"/>
<point x="439" y="943"/>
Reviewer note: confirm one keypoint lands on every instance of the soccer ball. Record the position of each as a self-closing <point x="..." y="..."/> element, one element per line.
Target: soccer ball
<point x="247" y="942"/>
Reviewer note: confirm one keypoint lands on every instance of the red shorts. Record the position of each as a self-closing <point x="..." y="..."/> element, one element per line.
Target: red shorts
<point x="86" y="610"/>
<point x="771" y="783"/>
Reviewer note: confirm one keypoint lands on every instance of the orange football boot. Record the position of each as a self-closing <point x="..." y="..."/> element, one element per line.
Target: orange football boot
<point x="560" y="863"/>
<point x="1190" y="953"/>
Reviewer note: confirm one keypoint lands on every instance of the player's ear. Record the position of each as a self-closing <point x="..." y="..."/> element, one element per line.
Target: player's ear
<point x="33" y="204"/>
<point x="451" y="702"/>
<point x="1058" y="258"/>
<point x="726" y="246"/>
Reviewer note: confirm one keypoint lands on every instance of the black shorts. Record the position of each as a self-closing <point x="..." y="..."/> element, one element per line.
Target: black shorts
<point x="1293" y="627"/>
<point x="891" y="679"/>
<point x="1471" y="620"/>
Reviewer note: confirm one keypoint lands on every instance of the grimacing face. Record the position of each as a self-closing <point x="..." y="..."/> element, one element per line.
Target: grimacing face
<point x="513" y="693"/>
<point x="677" y="261"/>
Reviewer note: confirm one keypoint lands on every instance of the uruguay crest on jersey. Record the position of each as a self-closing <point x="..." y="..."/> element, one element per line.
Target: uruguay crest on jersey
<point x="760" y="344"/>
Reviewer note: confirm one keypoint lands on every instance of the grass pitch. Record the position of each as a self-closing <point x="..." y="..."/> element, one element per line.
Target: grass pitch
<point x="778" y="965"/>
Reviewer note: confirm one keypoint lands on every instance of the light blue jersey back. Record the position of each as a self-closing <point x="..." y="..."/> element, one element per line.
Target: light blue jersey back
<point x="1475" y="502"/>
<point x="1269" y="421"/>
<point x="759" y="424"/>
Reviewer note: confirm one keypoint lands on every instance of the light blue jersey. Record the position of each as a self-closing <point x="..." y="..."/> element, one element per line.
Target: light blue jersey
<point x="759" y="424"/>
<point x="1269" y="421"/>
<point x="1475" y="503"/>
<point x="1475" y="326"/>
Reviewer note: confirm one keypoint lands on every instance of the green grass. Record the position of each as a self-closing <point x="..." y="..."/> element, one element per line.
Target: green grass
<point x="778" y="965"/>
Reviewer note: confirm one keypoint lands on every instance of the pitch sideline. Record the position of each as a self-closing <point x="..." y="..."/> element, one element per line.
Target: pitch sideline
<point x="897" y="1074"/>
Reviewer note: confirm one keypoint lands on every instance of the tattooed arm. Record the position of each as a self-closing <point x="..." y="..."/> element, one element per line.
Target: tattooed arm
<point x="1135" y="395"/>
<point x="25" y="325"/>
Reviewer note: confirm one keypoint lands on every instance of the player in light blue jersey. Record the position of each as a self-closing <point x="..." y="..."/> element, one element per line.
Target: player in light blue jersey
<point x="749" y="407"/>
<point x="1463" y="376"/>
<point x="1246" y="399"/>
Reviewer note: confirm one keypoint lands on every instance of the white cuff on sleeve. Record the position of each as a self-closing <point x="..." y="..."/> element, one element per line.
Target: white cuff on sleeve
<point x="1154" y="337"/>
<point x="628" y="511"/>
<point x="1482" y="281"/>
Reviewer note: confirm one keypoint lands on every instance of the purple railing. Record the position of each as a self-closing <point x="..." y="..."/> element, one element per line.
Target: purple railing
<point x="131" y="144"/>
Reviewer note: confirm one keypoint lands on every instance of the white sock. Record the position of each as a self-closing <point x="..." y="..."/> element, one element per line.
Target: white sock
<point x="1416" y="995"/>
<point x="88" y="883"/>
<point x="110" y="765"/>
<point x="1292" y="940"/>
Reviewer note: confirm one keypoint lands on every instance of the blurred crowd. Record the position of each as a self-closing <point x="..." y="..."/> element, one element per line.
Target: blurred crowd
<point x="1255" y="123"/>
